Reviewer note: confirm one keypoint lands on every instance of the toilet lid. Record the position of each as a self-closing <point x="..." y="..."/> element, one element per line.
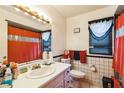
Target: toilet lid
<point x="77" y="74"/>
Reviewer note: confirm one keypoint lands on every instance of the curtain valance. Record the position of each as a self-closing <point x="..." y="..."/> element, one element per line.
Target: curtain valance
<point x="100" y="29"/>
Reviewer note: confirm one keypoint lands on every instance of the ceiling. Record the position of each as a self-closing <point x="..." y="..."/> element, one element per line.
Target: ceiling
<point x="73" y="10"/>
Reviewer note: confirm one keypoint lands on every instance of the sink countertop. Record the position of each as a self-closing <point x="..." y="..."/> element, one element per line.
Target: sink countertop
<point x="23" y="82"/>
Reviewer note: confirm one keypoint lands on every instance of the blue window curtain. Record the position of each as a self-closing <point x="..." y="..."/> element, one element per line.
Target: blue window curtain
<point x="100" y="37"/>
<point x="46" y="39"/>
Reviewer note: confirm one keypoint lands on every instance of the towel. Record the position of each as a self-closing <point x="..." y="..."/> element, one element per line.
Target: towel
<point x="83" y="58"/>
<point x="71" y="54"/>
<point x="76" y="55"/>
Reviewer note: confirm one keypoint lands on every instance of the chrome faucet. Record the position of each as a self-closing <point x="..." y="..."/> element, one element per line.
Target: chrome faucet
<point x="36" y="66"/>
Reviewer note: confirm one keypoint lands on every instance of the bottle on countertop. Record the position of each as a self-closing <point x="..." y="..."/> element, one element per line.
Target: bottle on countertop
<point x="5" y="62"/>
<point x="7" y="75"/>
<point x="14" y="67"/>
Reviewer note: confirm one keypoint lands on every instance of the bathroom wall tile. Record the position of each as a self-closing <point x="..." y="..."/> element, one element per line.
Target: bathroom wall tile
<point x="110" y="60"/>
<point x="101" y="59"/>
<point x="103" y="66"/>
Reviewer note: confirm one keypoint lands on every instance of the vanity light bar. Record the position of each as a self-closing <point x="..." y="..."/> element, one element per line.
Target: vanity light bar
<point x="34" y="14"/>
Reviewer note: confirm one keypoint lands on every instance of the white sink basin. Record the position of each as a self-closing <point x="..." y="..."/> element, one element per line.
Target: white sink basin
<point x="41" y="72"/>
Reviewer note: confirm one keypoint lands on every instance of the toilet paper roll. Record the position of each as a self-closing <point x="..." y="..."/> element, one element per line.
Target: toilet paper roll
<point x="93" y="69"/>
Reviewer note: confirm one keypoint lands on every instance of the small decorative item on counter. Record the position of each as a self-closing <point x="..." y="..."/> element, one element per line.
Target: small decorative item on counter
<point x="2" y="70"/>
<point x="5" y="62"/>
<point x="15" y="71"/>
<point x="7" y="75"/>
<point x="5" y="86"/>
<point x="13" y="65"/>
<point x="65" y="55"/>
<point x="1" y="80"/>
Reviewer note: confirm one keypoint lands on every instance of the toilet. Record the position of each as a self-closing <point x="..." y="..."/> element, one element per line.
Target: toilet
<point x="75" y="74"/>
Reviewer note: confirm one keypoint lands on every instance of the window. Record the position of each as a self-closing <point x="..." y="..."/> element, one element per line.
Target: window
<point x="46" y="40"/>
<point x="100" y="37"/>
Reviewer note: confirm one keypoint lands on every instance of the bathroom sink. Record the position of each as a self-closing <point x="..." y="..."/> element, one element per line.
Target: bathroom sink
<point x="41" y="72"/>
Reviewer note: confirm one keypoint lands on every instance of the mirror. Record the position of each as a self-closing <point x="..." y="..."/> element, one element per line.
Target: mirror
<point x="28" y="37"/>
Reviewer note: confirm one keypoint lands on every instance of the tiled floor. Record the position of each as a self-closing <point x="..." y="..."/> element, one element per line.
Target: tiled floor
<point x="85" y="84"/>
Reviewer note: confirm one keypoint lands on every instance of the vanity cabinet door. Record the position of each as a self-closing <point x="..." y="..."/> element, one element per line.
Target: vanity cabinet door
<point x="67" y="82"/>
<point x="60" y="85"/>
<point x="67" y="72"/>
<point x="61" y="81"/>
<point x="57" y="81"/>
<point x="67" y="79"/>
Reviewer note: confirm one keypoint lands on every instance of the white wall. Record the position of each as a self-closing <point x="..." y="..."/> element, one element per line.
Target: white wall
<point x="80" y="41"/>
<point x="58" y="28"/>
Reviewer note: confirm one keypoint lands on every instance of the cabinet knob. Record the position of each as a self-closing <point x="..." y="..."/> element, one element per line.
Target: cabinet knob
<point x="67" y="81"/>
<point x="68" y="71"/>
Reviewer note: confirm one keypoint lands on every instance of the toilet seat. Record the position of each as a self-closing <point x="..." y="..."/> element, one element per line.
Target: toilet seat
<point x="77" y="74"/>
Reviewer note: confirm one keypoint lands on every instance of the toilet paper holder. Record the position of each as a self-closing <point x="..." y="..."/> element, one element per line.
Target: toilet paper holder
<point x="93" y="68"/>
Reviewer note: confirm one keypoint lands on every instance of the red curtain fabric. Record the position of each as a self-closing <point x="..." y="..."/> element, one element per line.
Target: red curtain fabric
<point x="117" y="47"/>
<point x="118" y="62"/>
<point x="22" y="32"/>
<point x="116" y="83"/>
<point x="122" y="51"/>
<point x="23" y="51"/>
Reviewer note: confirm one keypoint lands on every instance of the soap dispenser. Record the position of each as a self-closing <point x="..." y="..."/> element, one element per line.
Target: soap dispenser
<point x="8" y="75"/>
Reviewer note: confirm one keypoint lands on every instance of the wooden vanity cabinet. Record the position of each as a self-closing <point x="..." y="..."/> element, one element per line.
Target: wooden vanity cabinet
<point x="60" y="81"/>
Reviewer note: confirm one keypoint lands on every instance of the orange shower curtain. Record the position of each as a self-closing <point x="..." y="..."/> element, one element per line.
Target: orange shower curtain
<point x="20" y="50"/>
<point x="118" y="63"/>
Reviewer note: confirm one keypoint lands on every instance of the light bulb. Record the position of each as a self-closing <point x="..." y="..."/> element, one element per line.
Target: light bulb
<point x="17" y="9"/>
<point x="26" y="13"/>
<point x="44" y="22"/>
<point x="39" y="20"/>
<point x="33" y="17"/>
